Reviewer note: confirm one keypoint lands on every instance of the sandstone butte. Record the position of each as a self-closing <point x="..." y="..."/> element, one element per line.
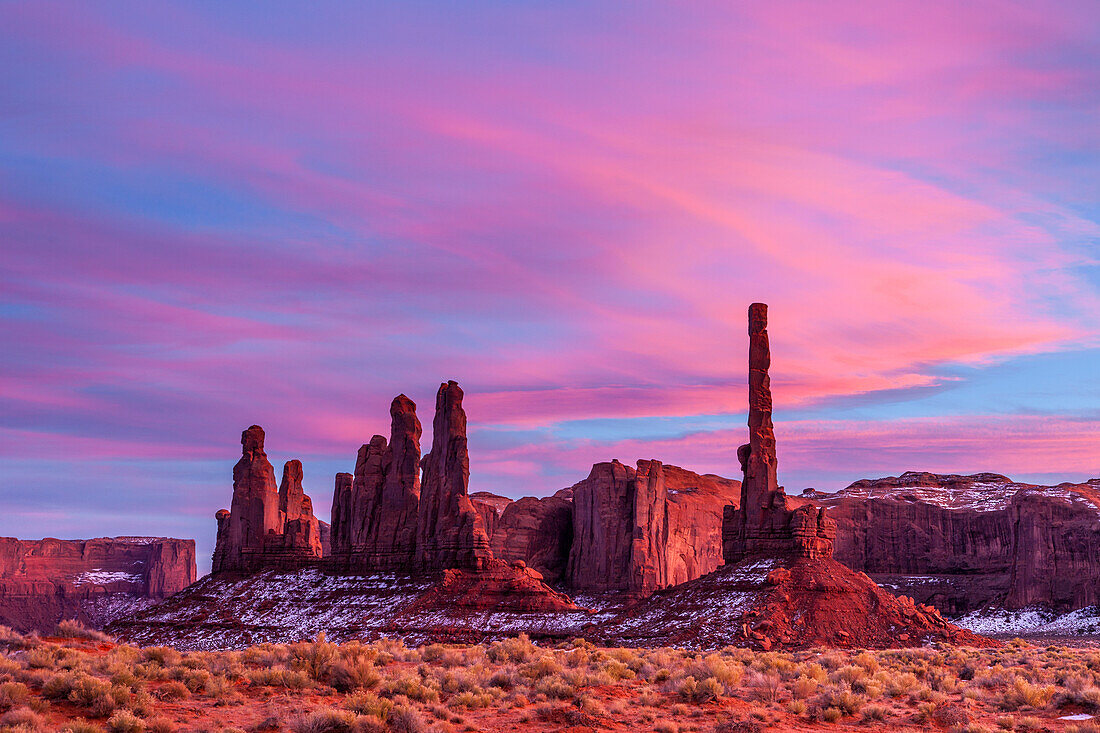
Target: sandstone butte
<point x="45" y="581"/>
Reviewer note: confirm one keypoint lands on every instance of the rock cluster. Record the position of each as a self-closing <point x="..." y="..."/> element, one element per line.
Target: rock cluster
<point x="768" y="522"/>
<point x="45" y="581"/>
<point x="374" y="513"/>
<point x="385" y="518"/>
<point x="266" y="526"/>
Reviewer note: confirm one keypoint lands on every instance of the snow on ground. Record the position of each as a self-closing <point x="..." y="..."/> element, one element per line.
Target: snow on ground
<point x="102" y="577"/>
<point x="1031" y="621"/>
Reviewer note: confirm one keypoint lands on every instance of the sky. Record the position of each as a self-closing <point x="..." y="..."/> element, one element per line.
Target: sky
<point x="219" y="214"/>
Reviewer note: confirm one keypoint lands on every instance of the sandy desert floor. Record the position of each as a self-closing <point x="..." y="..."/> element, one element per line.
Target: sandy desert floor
<point x="83" y="683"/>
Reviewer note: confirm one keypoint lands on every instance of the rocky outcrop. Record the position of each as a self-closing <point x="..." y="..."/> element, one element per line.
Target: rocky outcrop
<point x="780" y="588"/>
<point x="695" y="508"/>
<point x="450" y="533"/>
<point x="490" y="506"/>
<point x="266" y="527"/>
<point x="768" y="522"/>
<point x="965" y="542"/>
<point x="374" y="514"/>
<point x="538" y="532"/>
<point x="45" y="581"/>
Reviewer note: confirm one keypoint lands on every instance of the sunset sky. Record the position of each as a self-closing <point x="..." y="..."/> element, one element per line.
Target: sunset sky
<point x="218" y="214"/>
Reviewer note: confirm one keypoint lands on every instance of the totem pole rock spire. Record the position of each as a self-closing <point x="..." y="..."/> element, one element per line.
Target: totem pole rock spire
<point x="768" y="522"/>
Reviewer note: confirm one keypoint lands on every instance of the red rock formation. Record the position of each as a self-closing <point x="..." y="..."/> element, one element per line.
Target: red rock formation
<point x="695" y="504"/>
<point x="266" y="527"/>
<point x="964" y="542"/>
<point x="603" y="529"/>
<point x="768" y="522"/>
<point x="780" y="587"/>
<point x="450" y="532"/>
<point x="489" y="506"/>
<point x="45" y="581"/>
<point x="376" y="516"/>
<point x="538" y="532"/>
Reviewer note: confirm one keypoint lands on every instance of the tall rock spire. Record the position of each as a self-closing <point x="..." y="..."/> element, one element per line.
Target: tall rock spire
<point x="768" y="522"/>
<point x="255" y="508"/>
<point x="450" y="533"/>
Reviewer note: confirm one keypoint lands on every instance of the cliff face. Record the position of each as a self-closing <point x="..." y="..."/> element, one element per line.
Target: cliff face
<point x="538" y="532"/>
<point x="45" y="581"/>
<point x="964" y="542"/>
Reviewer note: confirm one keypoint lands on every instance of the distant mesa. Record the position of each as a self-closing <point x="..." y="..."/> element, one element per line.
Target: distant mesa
<point x="45" y="581"/>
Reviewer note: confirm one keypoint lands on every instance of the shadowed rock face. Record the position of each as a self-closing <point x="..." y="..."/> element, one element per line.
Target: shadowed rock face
<point x="376" y="515"/>
<point x="450" y="532"/>
<point x="266" y="527"/>
<point x="538" y="532"/>
<point x="768" y="522"/>
<point x="45" y="581"/>
<point x="963" y="542"/>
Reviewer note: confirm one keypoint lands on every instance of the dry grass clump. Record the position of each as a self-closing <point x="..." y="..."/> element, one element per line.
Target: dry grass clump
<point x="74" y="629"/>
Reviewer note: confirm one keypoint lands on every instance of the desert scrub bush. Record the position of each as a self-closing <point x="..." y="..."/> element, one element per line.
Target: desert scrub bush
<point x="1079" y="690"/>
<point x="289" y="679"/>
<point x="803" y="687"/>
<point x="353" y="674"/>
<point x="165" y="656"/>
<point x="324" y="720"/>
<point x="42" y="657"/>
<point x="160" y="725"/>
<point x="80" y="725"/>
<point x="699" y="691"/>
<point x="875" y="712"/>
<point x="366" y="703"/>
<point x="617" y="670"/>
<point x="797" y="707"/>
<point x="314" y="657"/>
<point x="517" y="650"/>
<point x="1029" y="722"/>
<point x="220" y="689"/>
<point x="555" y="688"/>
<point x="12" y="639"/>
<point x="765" y="685"/>
<point x="544" y="666"/>
<point x="1025" y="694"/>
<point x="125" y="722"/>
<point x="13" y="694"/>
<point x="405" y="719"/>
<point x="665" y="726"/>
<point x="839" y="696"/>
<point x="831" y="715"/>
<point x="411" y="687"/>
<point x="173" y="691"/>
<point x="73" y="629"/>
<point x="504" y="678"/>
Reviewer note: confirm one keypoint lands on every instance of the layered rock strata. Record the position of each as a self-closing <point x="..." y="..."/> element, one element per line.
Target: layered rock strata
<point x="966" y="542"/>
<point x="45" y="581"/>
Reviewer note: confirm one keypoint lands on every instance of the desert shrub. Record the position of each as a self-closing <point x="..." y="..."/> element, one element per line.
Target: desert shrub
<point x="102" y="706"/>
<point x="12" y="639"/>
<point x="13" y="694"/>
<point x="1079" y="690"/>
<point x="404" y="719"/>
<point x="665" y="726"/>
<point x="324" y="720"/>
<point x="803" y="687"/>
<point x="839" y="697"/>
<point x="504" y="678"/>
<point x="220" y="689"/>
<point x="544" y="666"/>
<point x="315" y="658"/>
<point x="832" y="715"/>
<point x="125" y="722"/>
<point x="365" y="703"/>
<point x="797" y="707"/>
<point x="84" y="689"/>
<point x="411" y="687"/>
<point x="173" y="691"/>
<point x="353" y="674"/>
<point x="765" y="685"/>
<point x="165" y="656"/>
<point x="22" y="719"/>
<point x="42" y="657"/>
<point x="1029" y="722"/>
<point x="1025" y="694"/>
<point x="1006" y="722"/>
<point x="470" y="700"/>
<point x="160" y="725"/>
<point x="80" y="725"/>
<point x="876" y="712"/>
<point x="73" y="629"/>
<point x="517" y="650"/>
<point x="287" y="678"/>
